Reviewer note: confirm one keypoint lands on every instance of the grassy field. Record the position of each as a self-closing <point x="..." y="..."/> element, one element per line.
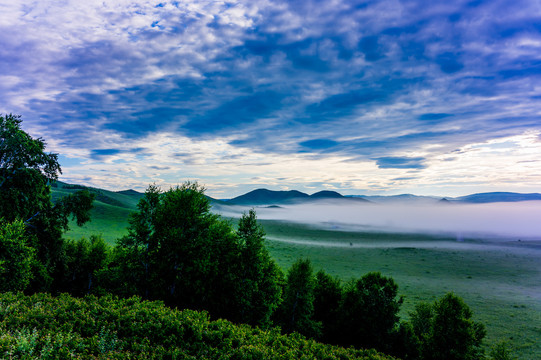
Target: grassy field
<point x="500" y="281"/>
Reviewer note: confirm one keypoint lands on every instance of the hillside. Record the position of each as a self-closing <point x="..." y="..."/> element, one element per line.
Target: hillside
<point x="109" y="215"/>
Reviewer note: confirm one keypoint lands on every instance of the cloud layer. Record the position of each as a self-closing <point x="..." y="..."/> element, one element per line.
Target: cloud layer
<point x="362" y="96"/>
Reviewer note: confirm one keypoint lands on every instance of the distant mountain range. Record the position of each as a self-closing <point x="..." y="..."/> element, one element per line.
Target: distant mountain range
<point x="271" y="197"/>
<point x="498" y="197"/>
<point x="129" y="198"/>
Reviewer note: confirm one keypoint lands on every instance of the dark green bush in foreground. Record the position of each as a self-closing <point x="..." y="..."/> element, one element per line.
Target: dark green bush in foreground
<point x="42" y="326"/>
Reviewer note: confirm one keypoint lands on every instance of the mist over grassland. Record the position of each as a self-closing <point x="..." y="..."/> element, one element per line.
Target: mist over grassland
<point x="498" y="221"/>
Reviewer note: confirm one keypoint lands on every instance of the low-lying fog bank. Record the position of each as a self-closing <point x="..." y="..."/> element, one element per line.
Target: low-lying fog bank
<point x="508" y="221"/>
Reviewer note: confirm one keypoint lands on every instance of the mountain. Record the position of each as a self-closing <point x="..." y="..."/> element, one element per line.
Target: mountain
<point x="271" y="197"/>
<point x="326" y="194"/>
<point x="498" y="197"/>
<point x="267" y="197"/>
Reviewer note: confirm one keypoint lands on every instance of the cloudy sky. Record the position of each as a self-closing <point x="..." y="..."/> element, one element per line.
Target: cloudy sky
<point x="363" y="97"/>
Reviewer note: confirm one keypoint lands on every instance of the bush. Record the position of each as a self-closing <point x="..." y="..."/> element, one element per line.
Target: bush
<point x="109" y="328"/>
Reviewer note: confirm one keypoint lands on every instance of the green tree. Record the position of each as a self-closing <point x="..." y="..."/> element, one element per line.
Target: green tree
<point x="26" y="172"/>
<point x="455" y="336"/>
<point x="260" y="277"/>
<point x="179" y="252"/>
<point x="445" y="330"/>
<point x="136" y="250"/>
<point x="16" y="257"/>
<point x="327" y="298"/>
<point x="500" y="351"/>
<point x="297" y="308"/>
<point x="193" y="252"/>
<point x="83" y="261"/>
<point x="369" y="312"/>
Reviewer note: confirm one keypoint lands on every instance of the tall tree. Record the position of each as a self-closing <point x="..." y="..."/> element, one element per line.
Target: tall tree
<point x="446" y="330"/>
<point x="136" y="250"/>
<point x="369" y="311"/>
<point x="327" y="298"/>
<point x="260" y="277"/>
<point x="26" y="172"/>
<point x="178" y="251"/>
<point x="297" y="308"/>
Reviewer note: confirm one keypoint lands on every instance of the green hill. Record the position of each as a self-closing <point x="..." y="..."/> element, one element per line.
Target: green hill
<point x="110" y="214"/>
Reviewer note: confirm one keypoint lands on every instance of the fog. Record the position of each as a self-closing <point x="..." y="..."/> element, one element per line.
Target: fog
<point x="509" y="221"/>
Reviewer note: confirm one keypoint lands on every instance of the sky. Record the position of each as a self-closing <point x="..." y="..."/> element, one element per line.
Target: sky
<point x="362" y="97"/>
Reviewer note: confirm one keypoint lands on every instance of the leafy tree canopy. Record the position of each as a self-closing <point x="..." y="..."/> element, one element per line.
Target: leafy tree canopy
<point x="180" y="252"/>
<point x="369" y="311"/>
<point x="446" y="330"/>
<point x="26" y="172"/>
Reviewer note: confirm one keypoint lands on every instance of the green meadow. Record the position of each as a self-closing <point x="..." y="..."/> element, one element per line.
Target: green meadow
<point x="499" y="280"/>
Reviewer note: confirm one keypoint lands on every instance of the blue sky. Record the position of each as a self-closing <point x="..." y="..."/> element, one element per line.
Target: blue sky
<point x="362" y="97"/>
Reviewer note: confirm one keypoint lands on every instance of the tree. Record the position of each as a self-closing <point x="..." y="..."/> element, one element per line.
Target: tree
<point x="297" y="308"/>
<point x="369" y="311"/>
<point x="16" y="257"/>
<point x="455" y="336"/>
<point x="136" y="250"/>
<point x="260" y="277"/>
<point x="83" y="260"/>
<point x="327" y="298"/>
<point x="26" y="173"/>
<point x="193" y="252"/>
<point x="178" y="251"/>
<point x="446" y="330"/>
<point x="500" y="351"/>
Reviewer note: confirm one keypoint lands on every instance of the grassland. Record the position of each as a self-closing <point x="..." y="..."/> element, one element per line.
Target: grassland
<point x="500" y="281"/>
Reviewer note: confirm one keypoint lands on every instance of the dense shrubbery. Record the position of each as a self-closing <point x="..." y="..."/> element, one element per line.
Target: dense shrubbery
<point x="42" y="326"/>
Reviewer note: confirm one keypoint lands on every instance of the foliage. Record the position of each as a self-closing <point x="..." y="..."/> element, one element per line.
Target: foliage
<point x="327" y="300"/>
<point x="179" y="252"/>
<point x="26" y="172"/>
<point x="297" y="308"/>
<point x="83" y="262"/>
<point x="16" y="256"/>
<point x="369" y="311"/>
<point x="500" y="351"/>
<point x="260" y="278"/>
<point x="445" y="330"/>
<point x="41" y="326"/>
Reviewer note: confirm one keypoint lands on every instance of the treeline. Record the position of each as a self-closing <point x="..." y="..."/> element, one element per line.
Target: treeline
<point x="178" y="252"/>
